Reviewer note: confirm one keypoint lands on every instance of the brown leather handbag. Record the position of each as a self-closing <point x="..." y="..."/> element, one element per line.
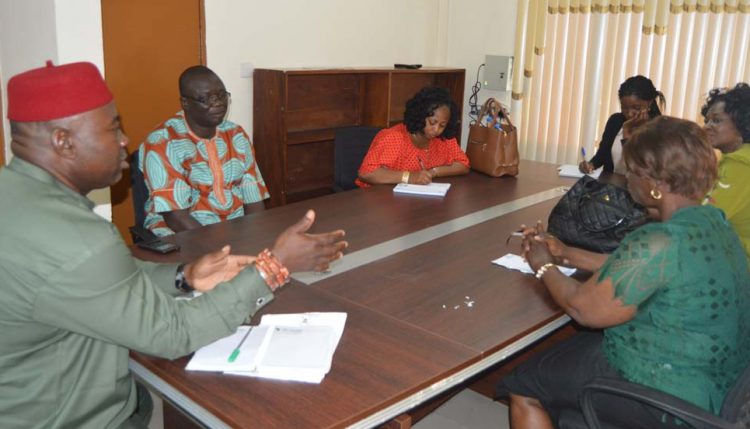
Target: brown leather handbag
<point x="493" y="145"/>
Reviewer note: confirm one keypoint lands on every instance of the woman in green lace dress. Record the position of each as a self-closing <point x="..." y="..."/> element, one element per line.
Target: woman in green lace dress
<point x="671" y="306"/>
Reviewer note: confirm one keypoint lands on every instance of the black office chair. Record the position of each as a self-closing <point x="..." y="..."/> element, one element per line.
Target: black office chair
<point x="735" y="412"/>
<point x="349" y="148"/>
<point x="140" y="194"/>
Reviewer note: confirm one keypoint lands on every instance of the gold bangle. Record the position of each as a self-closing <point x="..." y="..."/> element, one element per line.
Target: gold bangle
<point x="543" y="269"/>
<point x="405" y="177"/>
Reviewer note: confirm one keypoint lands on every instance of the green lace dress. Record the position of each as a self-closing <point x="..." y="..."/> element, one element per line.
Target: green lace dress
<point x="691" y="334"/>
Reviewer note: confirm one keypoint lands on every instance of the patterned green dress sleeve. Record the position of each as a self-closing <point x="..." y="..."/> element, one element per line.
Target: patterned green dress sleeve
<point x="688" y="277"/>
<point x="642" y="264"/>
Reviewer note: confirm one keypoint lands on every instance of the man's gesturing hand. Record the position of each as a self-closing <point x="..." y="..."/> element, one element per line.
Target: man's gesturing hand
<point x="299" y="251"/>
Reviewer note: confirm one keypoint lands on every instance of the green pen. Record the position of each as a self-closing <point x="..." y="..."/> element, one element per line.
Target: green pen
<point x="236" y="351"/>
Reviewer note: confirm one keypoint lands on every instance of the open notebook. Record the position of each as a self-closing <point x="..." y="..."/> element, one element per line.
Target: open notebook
<point x="433" y="189"/>
<point x="296" y="347"/>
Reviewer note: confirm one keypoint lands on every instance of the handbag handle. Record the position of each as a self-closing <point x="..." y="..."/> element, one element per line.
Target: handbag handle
<point x="493" y="108"/>
<point x="486" y="107"/>
<point x="506" y="115"/>
<point x="588" y="187"/>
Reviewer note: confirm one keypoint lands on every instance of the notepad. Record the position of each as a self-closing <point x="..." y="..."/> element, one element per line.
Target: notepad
<point x="515" y="262"/>
<point x="294" y="347"/>
<point x="433" y="189"/>
<point x="570" y="170"/>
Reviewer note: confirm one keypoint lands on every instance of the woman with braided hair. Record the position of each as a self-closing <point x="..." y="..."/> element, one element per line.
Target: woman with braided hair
<point x="639" y="102"/>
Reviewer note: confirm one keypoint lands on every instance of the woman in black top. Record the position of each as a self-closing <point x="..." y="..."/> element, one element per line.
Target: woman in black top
<point x="638" y="104"/>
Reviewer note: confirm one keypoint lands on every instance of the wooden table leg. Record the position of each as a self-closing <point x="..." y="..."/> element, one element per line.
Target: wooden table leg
<point x="176" y="419"/>
<point x="399" y="422"/>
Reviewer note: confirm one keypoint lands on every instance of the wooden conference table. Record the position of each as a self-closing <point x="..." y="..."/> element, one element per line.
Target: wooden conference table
<point x="426" y="308"/>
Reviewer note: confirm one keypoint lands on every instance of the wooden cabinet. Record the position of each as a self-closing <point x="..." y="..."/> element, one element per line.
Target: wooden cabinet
<point x="296" y="114"/>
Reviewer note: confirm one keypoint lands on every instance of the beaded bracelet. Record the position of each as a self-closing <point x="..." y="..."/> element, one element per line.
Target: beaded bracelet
<point x="543" y="269"/>
<point x="270" y="268"/>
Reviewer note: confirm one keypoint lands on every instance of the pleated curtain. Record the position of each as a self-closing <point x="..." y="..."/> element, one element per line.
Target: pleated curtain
<point x="575" y="53"/>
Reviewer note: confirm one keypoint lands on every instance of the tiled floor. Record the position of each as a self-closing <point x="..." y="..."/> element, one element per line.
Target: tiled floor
<point x="467" y="410"/>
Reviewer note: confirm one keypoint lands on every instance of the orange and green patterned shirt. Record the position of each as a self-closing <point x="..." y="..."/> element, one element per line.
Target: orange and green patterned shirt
<point x="213" y="178"/>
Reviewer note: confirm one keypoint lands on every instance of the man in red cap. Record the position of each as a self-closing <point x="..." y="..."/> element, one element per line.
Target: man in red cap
<point x="74" y="299"/>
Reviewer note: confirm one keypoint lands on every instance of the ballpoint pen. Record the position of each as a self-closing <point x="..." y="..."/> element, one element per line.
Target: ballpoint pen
<point x="513" y="234"/>
<point x="236" y="351"/>
<point x="583" y="153"/>
<point x="421" y="164"/>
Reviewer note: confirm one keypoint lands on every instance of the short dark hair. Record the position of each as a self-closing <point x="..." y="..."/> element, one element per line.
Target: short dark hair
<point x="736" y="105"/>
<point x="423" y="105"/>
<point x="673" y="151"/>
<point x="643" y="88"/>
<point x="191" y="74"/>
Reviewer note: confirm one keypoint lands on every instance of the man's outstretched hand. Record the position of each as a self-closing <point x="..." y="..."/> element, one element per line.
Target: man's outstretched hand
<point x="299" y="251"/>
<point x="213" y="268"/>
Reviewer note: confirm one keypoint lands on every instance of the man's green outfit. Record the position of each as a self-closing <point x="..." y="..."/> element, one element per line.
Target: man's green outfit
<point x="74" y="302"/>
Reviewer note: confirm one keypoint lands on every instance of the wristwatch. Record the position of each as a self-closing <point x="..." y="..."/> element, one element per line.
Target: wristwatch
<point x="180" y="282"/>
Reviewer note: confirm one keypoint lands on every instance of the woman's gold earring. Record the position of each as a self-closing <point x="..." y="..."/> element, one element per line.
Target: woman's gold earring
<point x="656" y="194"/>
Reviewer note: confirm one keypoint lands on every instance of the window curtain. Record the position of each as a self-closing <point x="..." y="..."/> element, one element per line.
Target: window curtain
<point x="575" y="54"/>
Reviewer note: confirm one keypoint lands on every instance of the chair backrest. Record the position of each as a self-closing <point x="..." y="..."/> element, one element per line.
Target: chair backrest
<point x="140" y="191"/>
<point x="350" y="147"/>
<point x="736" y="407"/>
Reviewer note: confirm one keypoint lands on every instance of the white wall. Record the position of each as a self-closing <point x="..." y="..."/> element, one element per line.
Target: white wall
<point x="79" y="31"/>
<point x="321" y="33"/>
<point x="346" y="33"/>
<point x="27" y="38"/>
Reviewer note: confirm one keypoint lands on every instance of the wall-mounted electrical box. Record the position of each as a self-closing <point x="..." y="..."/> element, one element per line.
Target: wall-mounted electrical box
<point x="498" y="70"/>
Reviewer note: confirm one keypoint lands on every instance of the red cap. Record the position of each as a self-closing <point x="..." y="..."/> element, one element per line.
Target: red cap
<point x="55" y="92"/>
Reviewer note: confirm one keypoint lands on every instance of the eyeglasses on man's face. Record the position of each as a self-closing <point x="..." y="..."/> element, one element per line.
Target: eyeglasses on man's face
<point x="212" y="99"/>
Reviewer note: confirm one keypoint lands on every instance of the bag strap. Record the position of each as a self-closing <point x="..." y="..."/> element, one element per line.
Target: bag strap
<point x="497" y="111"/>
<point x="487" y="108"/>
<point x="506" y="115"/>
<point x="590" y="185"/>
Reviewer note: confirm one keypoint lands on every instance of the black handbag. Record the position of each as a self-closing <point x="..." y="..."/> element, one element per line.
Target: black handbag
<point x="595" y="216"/>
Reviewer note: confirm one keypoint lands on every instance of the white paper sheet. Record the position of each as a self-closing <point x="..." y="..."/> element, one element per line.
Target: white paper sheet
<point x="516" y="262"/>
<point x="570" y="170"/>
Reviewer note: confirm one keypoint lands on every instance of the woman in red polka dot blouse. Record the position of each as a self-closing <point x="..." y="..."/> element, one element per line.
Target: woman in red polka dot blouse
<point x="420" y="149"/>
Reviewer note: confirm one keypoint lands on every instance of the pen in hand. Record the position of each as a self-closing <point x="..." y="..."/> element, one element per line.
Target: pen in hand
<point x="236" y="351"/>
<point x="421" y="164"/>
<point x="513" y="234"/>
<point x="585" y="166"/>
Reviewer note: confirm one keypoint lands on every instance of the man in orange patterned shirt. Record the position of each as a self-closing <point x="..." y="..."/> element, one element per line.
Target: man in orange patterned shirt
<point x="198" y="167"/>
